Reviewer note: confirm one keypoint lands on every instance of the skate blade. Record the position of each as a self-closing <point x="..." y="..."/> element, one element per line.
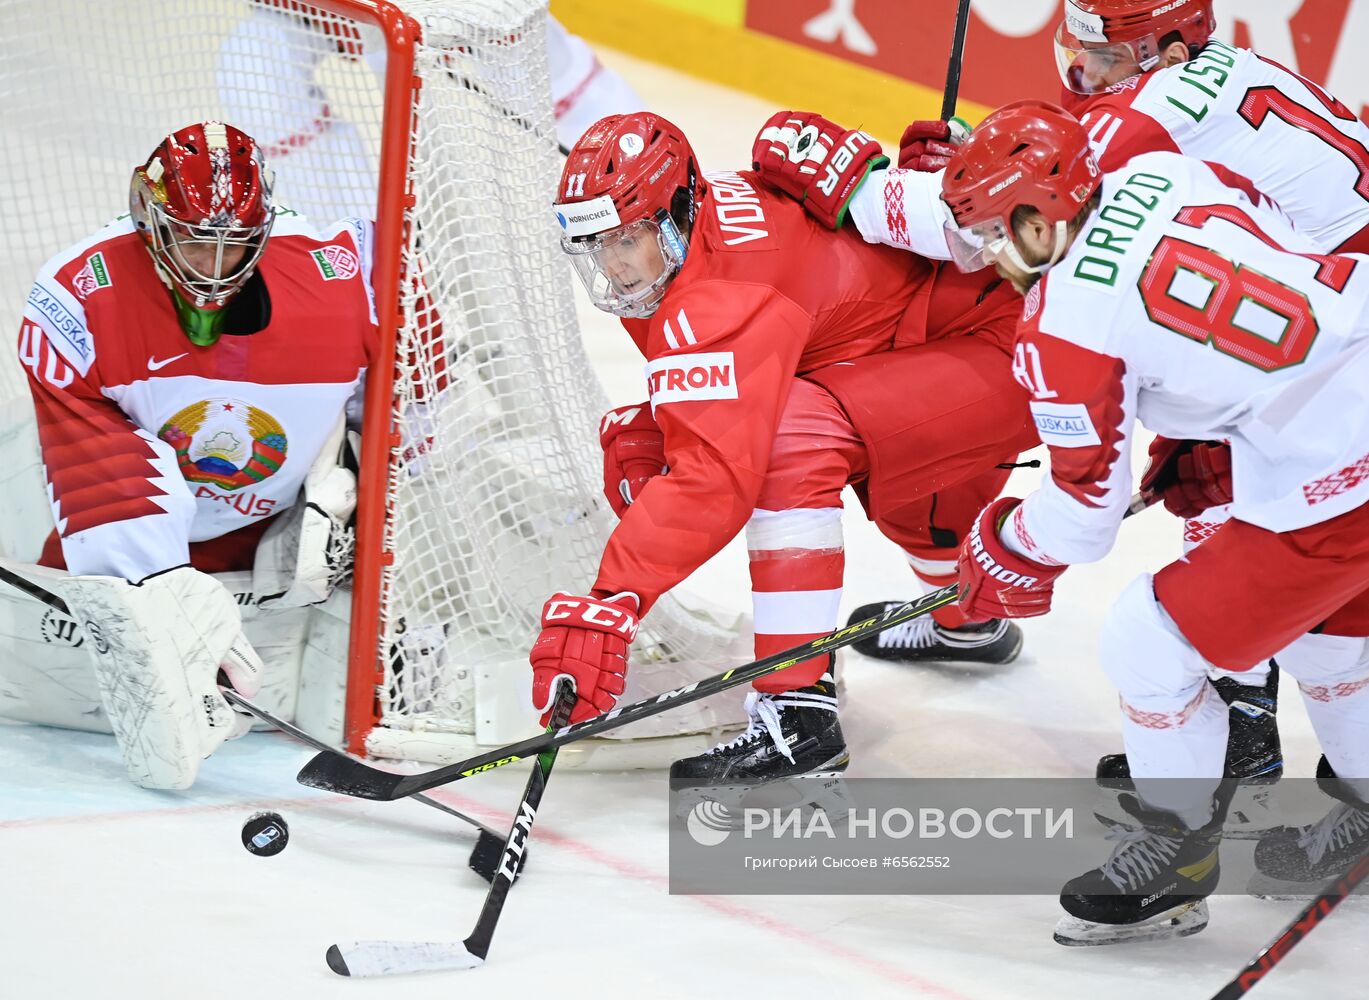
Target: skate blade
<point x="1249" y="816"/>
<point x="820" y="789"/>
<point x="1187" y="919"/>
<point x="1278" y="889"/>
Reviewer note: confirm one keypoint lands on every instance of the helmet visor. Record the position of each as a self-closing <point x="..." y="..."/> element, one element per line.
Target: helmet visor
<point x="1092" y="67"/>
<point x="976" y="247"/>
<point x="626" y="270"/>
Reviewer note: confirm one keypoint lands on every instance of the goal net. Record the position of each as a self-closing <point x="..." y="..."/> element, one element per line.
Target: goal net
<point x="481" y="468"/>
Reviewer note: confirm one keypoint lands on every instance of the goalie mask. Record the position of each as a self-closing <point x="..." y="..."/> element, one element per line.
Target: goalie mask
<point x="629" y="194"/>
<point x="1028" y="154"/>
<point x="202" y="203"/>
<point x="1101" y="43"/>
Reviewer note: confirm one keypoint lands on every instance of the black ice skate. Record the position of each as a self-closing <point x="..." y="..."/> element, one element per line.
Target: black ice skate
<point x="922" y="640"/>
<point x="795" y="734"/>
<point x="1296" y="861"/>
<point x="1254" y="755"/>
<point x="1154" y="885"/>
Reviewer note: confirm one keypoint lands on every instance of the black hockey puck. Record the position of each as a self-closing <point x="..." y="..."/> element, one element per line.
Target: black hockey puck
<point x="265" y="834"/>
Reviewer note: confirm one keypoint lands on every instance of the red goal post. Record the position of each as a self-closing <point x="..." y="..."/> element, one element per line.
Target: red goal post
<point x="480" y="490"/>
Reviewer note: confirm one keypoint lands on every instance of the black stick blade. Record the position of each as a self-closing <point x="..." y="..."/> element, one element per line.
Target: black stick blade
<point x="488" y="855"/>
<point x="332" y="772"/>
<point x="336" y="962"/>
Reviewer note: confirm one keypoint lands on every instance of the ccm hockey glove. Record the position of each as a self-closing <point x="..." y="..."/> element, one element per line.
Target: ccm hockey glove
<point x="815" y="162"/>
<point x="585" y="639"/>
<point x="996" y="582"/>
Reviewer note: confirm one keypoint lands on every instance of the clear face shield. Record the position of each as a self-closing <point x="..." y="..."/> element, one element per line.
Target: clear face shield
<point x="627" y="270"/>
<point x="1092" y="67"/>
<point x="979" y="246"/>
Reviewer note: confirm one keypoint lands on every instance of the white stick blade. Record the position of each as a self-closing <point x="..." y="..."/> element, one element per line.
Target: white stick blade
<point x="396" y="958"/>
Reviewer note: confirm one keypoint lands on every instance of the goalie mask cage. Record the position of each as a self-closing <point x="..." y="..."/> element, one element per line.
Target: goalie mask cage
<point x="480" y="482"/>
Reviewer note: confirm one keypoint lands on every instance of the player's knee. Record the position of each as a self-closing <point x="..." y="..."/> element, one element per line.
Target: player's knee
<point x="1143" y="653"/>
<point x="797" y="528"/>
<point x="1325" y="659"/>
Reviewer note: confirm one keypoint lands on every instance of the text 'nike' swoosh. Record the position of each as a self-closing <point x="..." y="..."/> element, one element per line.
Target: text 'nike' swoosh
<point x="154" y="365"/>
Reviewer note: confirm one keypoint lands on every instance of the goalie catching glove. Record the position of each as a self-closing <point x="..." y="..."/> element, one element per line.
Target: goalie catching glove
<point x="815" y="161"/>
<point x="996" y="582"/>
<point x="634" y="453"/>
<point x="159" y="647"/>
<point x="586" y="640"/>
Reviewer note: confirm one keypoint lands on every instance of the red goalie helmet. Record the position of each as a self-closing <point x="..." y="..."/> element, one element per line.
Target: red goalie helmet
<point x="628" y="197"/>
<point x="1026" y="154"/>
<point x="202" y="203"/>
<point x="1103" y="42"/>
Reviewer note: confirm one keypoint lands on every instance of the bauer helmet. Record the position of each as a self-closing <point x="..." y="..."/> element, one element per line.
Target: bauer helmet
<point x="1100" y="43"/>
<point x="1031" y="154"/>
<point x="628" y="198"/>
<point x="202" y="203"/>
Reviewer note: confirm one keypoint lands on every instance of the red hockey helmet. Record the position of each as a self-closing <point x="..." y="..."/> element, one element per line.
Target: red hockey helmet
<point x="202" y="203"/>
<point x="1030" y="153"/>
<point x="1100" y="43"/>
<point x="629" y="194"/>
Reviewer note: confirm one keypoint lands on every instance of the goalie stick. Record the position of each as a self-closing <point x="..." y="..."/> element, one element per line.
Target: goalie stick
<point x="386" y="958"/>
<point x="488" y="844"/>
<point x="1303" y="924"/>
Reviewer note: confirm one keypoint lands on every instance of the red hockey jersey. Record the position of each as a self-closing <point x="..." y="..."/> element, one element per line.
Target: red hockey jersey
<point x="766" y="294"/>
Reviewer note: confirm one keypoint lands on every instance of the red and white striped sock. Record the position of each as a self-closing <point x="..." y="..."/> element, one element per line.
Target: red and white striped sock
<point x="934" y="574"/>
<point x="797" y="561"/>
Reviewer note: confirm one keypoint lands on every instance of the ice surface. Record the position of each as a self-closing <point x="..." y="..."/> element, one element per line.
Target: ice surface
<point x="110" y="891"/>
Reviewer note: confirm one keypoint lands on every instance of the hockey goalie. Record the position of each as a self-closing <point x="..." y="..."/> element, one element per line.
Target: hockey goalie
<point x="192" y="367"/>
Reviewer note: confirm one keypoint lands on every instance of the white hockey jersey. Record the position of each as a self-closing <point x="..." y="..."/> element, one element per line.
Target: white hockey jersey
<point x="1185" y="305"/>
<point x="150" y="442"/>
<point x="1295" y="142"/>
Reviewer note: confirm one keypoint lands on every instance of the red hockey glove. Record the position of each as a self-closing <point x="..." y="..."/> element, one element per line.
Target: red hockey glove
<point x="815" y="161"/>
<point x="928" y="146"/>
<point x="1188" y="476"/>
<point x="997" y="583"/>
<point x="634" y="453"/>
<point x="585" y="639"/>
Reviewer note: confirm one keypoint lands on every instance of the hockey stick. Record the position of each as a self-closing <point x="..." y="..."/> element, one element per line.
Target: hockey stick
<point x="334" y="772"/>
<point x="952" y="93"/>
<point x="1303" y="924"/>
<point x="384" y="958"/>
<point x="488" y="842"/>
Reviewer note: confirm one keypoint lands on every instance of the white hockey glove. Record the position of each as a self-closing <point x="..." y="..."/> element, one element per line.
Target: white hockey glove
<point x="159" y="647"/>
<point x="308" y="549"/>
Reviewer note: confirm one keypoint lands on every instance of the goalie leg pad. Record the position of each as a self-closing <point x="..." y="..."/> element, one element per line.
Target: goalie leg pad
<point x="45" y="674"/>
<point x="158" y="648"/>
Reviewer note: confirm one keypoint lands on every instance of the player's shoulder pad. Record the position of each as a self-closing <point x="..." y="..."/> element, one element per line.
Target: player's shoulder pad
<point x="1114" y="245"/>
<point x="1189" y="96"/>
<point x="740" y="212"/>
<point x="56" y="302"/>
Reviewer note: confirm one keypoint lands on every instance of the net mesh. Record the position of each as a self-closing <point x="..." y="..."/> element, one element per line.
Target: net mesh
<point x="493" y="499"/>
